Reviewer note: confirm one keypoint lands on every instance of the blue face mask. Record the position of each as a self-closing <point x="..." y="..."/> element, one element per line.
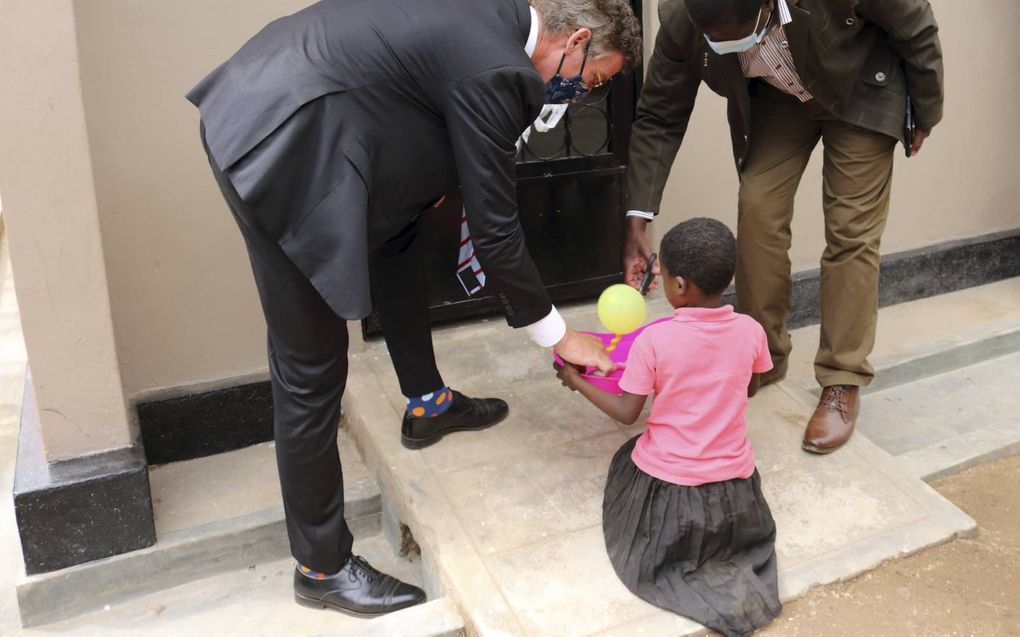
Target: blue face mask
<point x="743" y="44"/>
<point x="561" y="90"/>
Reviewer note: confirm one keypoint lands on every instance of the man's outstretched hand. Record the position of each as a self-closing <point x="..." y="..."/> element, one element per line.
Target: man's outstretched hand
<point x="637" y="248"/>
<point x="584" y="350"/>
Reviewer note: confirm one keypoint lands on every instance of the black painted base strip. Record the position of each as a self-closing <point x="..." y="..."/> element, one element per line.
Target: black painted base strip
<point x="80" y="510"/>
<point x="206" y="423"/>
<point x="918" y="274"/>
<point x="213" y="422"/>
<point x="921" y="273"/>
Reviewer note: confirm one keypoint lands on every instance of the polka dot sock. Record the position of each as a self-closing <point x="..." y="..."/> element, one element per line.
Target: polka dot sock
<point x="309" y="573"/>
<point x="430" y="405"/>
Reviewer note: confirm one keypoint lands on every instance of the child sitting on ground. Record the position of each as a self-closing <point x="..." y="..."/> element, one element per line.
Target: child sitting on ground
<point x="686" y="526"/>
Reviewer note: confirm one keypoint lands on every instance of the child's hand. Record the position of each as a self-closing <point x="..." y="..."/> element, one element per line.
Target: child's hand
<point x="569" y="375"/>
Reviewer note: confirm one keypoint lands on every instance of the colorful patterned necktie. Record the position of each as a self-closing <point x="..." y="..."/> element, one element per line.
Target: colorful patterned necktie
<point x="469" y="270"/>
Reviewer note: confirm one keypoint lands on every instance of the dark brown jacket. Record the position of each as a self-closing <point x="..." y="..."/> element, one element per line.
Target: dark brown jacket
<point x="858" y="58"/>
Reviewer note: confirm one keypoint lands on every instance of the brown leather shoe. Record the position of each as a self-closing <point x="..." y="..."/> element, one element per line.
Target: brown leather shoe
<point x="834" y="418"/>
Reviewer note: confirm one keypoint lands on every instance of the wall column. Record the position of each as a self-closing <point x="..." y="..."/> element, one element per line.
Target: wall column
<point x="76" y="432"/>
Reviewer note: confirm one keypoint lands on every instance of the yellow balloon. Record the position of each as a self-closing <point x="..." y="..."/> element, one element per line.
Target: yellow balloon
<point x="621" y="309"/>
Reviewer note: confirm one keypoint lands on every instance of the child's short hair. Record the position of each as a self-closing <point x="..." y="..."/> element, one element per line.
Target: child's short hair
<point x="702" y="251"/>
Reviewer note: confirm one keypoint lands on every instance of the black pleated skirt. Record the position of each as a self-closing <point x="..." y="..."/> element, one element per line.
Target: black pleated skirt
<point x="705" y="552"/>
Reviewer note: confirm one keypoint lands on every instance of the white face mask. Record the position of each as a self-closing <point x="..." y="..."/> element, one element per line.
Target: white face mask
<point x="741" y="45"/>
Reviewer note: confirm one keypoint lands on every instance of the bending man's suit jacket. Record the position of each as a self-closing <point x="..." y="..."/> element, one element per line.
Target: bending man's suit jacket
<point x="338" y="125"/>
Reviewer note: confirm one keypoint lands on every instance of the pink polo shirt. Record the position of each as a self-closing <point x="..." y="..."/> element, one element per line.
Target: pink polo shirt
<point x="698" y="365"/>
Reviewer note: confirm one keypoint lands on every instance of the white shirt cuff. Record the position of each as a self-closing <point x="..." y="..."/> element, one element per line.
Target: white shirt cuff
<point x="641" y="213"/>
<point x="549" y="330"/>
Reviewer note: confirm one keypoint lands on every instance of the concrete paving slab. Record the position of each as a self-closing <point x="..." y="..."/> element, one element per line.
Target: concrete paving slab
<point x="949" y="421"/>
<point x="452" y="567"/>
<point x="837" y="516"/>
<point x="510" y="518"/>
<point x="962" y="452"/>
<point x="928" y="336"/>
<point x="253" y="601"/>
<point x="539" y="420"/>
<point x="929" y="410"/>
<point x="841" y="514"/>
<point x="520" y="501"/>
<point x="566" y="586"/>
<point x="195" y="492"/>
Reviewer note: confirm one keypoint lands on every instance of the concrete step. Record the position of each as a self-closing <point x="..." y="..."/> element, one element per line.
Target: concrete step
<point x="214" y="514"/>
<point x="943" y="398"/>
<point x="488" y="508"/>
<point x="929" y="336"/>
<point x="259" y="601"/>
<point x="190" y="494"/>
<point x="942" y="424"/>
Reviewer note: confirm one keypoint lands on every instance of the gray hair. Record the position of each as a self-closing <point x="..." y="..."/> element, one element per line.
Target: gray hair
<point x="612" y="23"/>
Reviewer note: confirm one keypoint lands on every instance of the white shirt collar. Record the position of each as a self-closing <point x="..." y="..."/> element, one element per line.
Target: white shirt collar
<point x="529" y="47"/>
<point x="785" y="17"/>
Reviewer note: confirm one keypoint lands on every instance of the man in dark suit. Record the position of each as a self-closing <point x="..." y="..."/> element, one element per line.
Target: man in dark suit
<point x="796" y="72"/>
<point x="331" y="133"/>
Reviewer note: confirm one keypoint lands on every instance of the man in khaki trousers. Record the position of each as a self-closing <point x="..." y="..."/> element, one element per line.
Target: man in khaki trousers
<point x="796" y="72"/>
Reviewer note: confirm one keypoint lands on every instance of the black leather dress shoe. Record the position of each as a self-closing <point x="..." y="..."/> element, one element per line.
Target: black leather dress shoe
<point x="464" y="414"/>
<point x="358" y="589"/>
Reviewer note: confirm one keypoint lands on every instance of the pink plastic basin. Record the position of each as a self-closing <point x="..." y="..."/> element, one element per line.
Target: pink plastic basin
<point x="611" y="383"/>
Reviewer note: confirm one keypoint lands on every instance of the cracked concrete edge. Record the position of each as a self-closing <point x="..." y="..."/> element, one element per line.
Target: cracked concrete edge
<point x="911" y="538"/>
<point x="438" y="618"/>
<point x="460" y="574"/>
<point x="863" y="559"/>
<point x="176" y="559"/>
<point x="942" y="521"/>
<point x="892" y="468"/>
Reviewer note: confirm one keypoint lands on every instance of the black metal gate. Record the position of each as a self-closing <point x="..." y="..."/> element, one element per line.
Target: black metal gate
<point x="570" y="191"/>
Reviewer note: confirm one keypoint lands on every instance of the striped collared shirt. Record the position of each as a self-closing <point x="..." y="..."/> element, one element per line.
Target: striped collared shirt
<point x="771" y="59"/>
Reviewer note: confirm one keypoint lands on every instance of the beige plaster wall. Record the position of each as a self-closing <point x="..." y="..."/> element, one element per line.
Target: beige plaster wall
<point x="184" y="305"/>
<point x="54" y="236"/>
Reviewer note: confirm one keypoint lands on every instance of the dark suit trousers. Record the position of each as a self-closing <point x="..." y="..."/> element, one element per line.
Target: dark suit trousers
<point x="307" y="346"/>
<point x="400" y="295"/>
